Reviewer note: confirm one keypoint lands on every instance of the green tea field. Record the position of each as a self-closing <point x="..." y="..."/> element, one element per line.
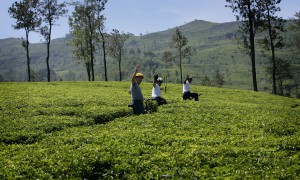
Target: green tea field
<point x="84" y="130"/>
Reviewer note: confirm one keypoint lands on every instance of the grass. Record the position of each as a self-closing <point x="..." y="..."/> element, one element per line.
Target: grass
<point x="84" y="130"/>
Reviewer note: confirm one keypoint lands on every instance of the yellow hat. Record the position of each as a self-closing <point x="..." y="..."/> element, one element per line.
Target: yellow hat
<point x="139" y="75"/>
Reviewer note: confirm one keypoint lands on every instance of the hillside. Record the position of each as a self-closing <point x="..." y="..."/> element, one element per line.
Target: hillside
<point x="84" y="130"/>
<point x="214" y="45"/>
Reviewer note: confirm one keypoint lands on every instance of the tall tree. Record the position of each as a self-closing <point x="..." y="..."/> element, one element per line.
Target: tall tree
<point x="247" y="12"/>
<point x="80" y="43"/>
<point x="103" y="40"/>
<point x="89" y="15"/>
<point x="179" y="41"/>
<point x="26" y="15"/>
<point x="117" y="40"/>
<point x="50" y="11"/>
<point x="99" y="7"/>
<point x="274" y="25"/>
<point x="86" y="19"/>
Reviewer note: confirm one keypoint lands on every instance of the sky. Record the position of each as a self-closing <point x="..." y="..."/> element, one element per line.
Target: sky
<point x="144" y="16"/>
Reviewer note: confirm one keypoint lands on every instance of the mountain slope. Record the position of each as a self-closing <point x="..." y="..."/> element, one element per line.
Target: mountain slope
<point x="214" y="44"/>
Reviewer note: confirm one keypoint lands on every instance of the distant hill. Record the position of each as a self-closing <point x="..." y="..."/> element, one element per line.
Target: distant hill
<point x="214" y="45"/>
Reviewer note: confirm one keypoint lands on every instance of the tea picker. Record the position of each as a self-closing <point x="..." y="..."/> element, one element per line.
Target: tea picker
<point x="186" y="93"/>
<point x="136" y="92"/>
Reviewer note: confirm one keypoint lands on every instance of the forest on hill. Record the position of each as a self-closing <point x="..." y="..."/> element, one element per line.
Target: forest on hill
<point x="215" y="52"/>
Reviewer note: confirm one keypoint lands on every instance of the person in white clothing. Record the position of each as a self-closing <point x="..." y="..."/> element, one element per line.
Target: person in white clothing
<point x="156" y="94"/>
<point x="187" y="94"/>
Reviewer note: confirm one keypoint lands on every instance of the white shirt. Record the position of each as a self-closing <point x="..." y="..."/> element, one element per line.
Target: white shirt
<point x="186" y="87"/>
<point x="156" y="91"/>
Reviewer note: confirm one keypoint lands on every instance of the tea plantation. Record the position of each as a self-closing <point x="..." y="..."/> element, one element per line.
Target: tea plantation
<point x="84" y="130"/>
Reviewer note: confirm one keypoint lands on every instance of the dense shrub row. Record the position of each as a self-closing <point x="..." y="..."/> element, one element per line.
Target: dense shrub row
<point x="31" y="110"/>
<point x="57" y="131"/>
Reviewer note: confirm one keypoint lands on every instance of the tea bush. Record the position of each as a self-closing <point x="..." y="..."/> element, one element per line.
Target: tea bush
<point x="86" y="131"/>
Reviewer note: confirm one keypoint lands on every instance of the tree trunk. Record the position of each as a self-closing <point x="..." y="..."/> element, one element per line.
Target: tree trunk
<point x="92" y="59"/>
<point x="87" y="65"/>
<point x="47" y="61"/>
<point x="91" y="33"/>
<point x="120" y="73"/>
<point x="251" y="26"/>
<point x="104" y="56"/>
<point x="273" y="51"/>
<point x="27" y="55"/>
<point x="48" y="52"/>
<point x="180" y="65"/>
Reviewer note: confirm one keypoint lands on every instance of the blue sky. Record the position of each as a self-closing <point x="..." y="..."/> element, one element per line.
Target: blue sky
<point x="145" y="16"/>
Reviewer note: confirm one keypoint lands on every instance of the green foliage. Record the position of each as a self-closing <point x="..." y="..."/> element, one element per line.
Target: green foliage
<point x="26" y="15"/>
<point x="151" y="106"/>
<point x="86" y="131"/>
